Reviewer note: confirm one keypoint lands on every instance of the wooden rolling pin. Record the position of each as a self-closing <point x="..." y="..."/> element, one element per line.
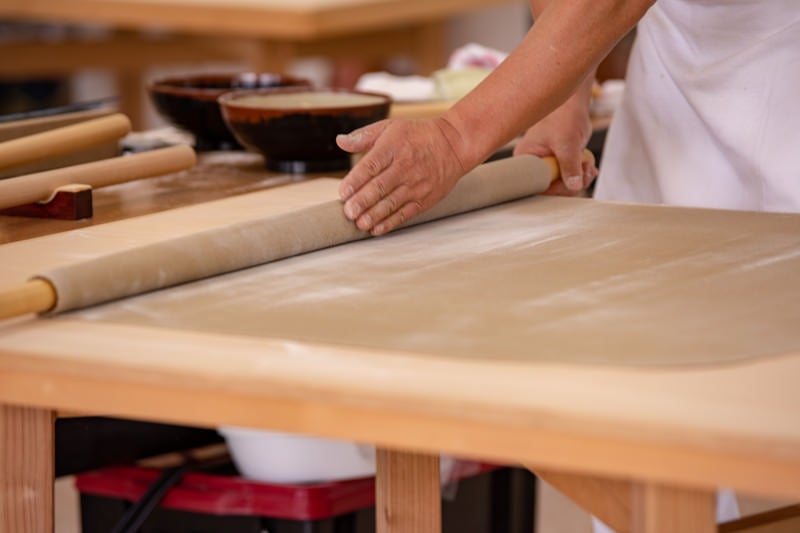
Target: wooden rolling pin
<point x="226" y="249"/>
<point x="40" y="187"/>
<point x="64" y="140"/>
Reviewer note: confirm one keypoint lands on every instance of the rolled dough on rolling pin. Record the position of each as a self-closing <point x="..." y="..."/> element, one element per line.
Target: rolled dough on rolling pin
<point x="226" y="249"/>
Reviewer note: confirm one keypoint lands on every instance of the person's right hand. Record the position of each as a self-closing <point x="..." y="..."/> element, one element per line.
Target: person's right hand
<point x="408" y="166"/>
<point x="563" y="134"/>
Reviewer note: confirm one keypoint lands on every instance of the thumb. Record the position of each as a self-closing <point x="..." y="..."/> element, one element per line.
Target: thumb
<point x="362" y="139"/>
<point x="569" y="161"/>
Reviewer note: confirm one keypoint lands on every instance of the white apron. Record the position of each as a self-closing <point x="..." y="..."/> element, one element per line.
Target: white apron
<point x="711" y="113"/>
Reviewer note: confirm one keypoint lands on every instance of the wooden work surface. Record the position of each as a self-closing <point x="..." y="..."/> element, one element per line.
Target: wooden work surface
<point x="694" y="428"/>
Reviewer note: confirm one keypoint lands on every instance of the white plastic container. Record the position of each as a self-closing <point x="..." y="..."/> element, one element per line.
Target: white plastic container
<point x="273" y="457"/>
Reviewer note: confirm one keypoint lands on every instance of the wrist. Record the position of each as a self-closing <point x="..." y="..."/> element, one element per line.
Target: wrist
<point x="461" y="145"/>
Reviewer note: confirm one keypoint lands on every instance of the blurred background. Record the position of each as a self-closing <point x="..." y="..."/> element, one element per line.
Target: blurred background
<point x="54" y="64"/>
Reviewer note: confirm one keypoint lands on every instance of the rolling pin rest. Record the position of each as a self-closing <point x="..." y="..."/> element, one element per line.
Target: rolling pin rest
<point x="68" y="202"/>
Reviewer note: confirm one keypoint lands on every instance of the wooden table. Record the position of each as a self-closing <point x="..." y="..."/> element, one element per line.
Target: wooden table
<point x="666" y="434"/>
<point x="263" y="34"/>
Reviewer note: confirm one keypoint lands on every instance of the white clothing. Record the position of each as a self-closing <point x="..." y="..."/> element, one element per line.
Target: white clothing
<point x="711" y="114"/>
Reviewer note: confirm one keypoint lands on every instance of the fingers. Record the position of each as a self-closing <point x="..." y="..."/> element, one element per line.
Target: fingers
<point x="390" y="212"/>
<point x="558" y="187"/>
<point x="362" y="139"/>
<point x="373" y="180"/>
<point x="383" y="208"/>
<point x="398" y="218"/>
<point x="589" y="173"/>
<point x="569" y="161"/>
<point x="409" y="165"/>
<point x="370" y="166"/>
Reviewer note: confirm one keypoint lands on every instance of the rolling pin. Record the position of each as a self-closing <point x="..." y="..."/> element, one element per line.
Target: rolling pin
<point x="254" y="242"/>
<point x="41" y="186"/>
<point x="63" y="140"/>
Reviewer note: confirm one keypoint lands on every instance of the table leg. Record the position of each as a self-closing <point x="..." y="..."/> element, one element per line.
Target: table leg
<point x="663" y="509"/>
<point x="407" y="493"/>
<point x="26" y="469"/>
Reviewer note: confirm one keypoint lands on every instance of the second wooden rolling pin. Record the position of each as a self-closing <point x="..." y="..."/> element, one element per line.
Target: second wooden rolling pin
<point x="229" y="248"/>
<point x="40" y="187"/>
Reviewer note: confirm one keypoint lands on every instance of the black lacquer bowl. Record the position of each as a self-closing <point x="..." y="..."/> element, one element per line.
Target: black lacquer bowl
<point x="190" y="102"/>
<point x="295" y="129"/>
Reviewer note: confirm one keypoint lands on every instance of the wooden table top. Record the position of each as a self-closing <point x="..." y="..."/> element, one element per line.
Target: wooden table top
<point x="732" y="424"/>
<point x="296" y="19"/>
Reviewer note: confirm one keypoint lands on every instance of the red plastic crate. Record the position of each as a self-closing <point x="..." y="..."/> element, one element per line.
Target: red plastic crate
<point x="230" y="495"/>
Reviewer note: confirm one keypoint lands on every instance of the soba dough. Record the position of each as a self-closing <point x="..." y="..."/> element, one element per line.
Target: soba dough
<point x="226" y="249"/>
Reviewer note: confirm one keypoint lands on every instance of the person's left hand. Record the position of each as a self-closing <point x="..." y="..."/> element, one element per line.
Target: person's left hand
<point x="563" y="134"/>
<point x="409" y="165"/>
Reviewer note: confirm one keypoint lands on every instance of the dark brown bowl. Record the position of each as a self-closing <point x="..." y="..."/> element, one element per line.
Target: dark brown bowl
<point x="190" y="102"/>
<point x="295" y="129"/>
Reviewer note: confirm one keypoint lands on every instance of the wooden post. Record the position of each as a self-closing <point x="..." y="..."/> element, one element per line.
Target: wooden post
<point x="131" y="93"/>
<point x="407" y="493"/>
<point x="661" y="509"/>
<point x="265" y="55"/>
<point x="26" y="469"/>
<point x="430" y="47"/>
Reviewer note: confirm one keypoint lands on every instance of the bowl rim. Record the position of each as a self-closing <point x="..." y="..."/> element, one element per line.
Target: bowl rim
<point x="228" y="99"/>
<point x="170" y="84"/>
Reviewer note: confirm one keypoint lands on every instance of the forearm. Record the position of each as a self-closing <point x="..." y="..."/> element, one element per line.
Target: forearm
<point x="581" y="97"/>
<point x="555" y="61"/>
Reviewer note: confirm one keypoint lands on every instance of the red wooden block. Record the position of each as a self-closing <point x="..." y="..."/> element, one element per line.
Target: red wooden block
<point x="71" y="202"/>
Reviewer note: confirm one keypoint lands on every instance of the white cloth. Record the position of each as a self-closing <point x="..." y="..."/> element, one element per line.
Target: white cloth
<point x="711" y="114"/>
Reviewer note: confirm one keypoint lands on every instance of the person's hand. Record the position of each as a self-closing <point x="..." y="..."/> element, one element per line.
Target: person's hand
<point x="409" y="165"/>
<point x="563" y="134"/>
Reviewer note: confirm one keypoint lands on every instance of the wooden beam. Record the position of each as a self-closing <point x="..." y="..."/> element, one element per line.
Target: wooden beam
<point x="119" y="51"/>
<point x="607" y="499"/>
<point x="276" y="19"/>
<point x="782" y="520"/>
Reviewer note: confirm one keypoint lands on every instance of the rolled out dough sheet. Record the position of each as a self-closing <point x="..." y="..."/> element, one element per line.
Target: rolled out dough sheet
<point x="231" y="247"/>
<point x="542" y="279"/>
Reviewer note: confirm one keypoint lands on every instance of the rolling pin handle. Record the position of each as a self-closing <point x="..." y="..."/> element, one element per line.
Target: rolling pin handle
<point x="35" y="296"/>
<point x="555" y="171"/>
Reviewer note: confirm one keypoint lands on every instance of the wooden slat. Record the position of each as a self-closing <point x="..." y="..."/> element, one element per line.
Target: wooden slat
<point x="407" y="497"/>
<point x="26" y="470"/>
